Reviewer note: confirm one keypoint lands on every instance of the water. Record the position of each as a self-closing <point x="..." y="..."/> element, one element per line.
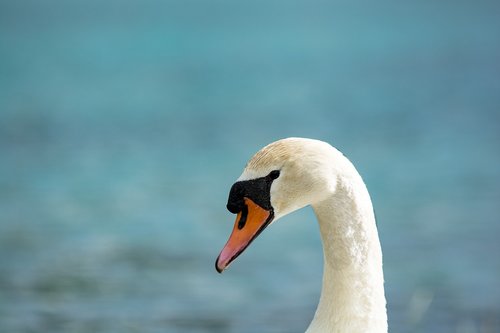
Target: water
<point x="124" y="124"/>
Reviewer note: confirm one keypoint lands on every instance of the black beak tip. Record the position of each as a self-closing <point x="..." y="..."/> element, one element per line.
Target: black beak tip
<point x="217" y="266"/>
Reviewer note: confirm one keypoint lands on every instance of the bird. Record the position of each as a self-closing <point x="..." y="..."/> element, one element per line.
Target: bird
<point x="290" y="174"/>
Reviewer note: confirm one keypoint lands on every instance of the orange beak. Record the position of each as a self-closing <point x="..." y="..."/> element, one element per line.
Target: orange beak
<point x="250" y="222"/>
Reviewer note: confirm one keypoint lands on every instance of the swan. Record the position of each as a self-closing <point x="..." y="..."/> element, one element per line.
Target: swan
<point x="292" y="173"/>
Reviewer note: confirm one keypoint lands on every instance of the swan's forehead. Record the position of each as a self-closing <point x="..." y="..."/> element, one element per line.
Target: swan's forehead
<point x="269" y="158"/>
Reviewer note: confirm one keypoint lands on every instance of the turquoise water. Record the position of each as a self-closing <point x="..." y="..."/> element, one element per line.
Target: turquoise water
<point x="124" y="123"/>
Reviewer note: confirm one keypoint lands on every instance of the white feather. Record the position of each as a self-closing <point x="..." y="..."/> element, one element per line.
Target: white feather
<point x="314" y="173"/>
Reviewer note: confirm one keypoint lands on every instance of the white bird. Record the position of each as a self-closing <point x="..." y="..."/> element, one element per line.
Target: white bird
<point x="290" y="174"/>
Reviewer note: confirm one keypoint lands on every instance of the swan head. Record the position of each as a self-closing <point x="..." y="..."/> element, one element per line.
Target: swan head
<point x="282" y="177"/>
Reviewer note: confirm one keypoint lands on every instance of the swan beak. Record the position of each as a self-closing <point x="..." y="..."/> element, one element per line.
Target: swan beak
<point x="250" y="222"/>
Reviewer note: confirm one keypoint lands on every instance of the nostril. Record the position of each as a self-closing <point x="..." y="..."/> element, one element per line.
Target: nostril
<point x="243" y="217"/>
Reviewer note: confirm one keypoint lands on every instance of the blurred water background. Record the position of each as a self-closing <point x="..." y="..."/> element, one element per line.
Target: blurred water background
<point x="123" y="125"/>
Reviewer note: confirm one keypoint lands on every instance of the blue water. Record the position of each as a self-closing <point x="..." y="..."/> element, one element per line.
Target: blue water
<point x="123" y="125"/>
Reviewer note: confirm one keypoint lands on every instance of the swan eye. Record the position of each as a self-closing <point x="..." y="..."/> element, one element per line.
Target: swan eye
<point x="274" y="174"/>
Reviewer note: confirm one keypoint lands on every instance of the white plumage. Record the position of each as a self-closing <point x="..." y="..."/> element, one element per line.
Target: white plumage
<point x="314" y="173"/>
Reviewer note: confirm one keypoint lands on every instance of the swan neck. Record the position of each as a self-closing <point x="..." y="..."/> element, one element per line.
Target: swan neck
<point x="352" y="297"/>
